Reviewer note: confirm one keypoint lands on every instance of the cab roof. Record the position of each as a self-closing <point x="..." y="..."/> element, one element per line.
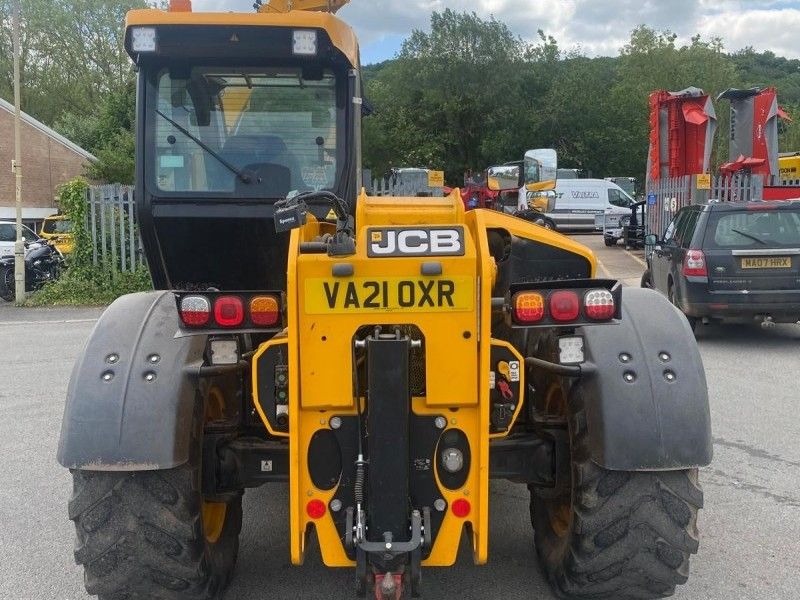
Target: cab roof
<point x="341" y="35"/>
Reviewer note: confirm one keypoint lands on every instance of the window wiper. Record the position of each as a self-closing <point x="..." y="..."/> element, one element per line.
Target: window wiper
<point x="747" y="235"/>
<point x="245" y="177"/>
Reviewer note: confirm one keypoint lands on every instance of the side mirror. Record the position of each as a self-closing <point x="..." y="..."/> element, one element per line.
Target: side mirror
<point x="651" y="239"/>
<point x="541" y="169"/>
<point x="503" y="178"/>
<point x="543" y="202"/>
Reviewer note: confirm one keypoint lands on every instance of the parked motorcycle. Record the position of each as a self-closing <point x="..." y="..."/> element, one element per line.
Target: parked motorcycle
<point x="43" y="263"/>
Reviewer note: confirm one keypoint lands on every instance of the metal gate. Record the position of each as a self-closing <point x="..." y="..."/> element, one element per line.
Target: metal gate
<point x="111" y="223"/>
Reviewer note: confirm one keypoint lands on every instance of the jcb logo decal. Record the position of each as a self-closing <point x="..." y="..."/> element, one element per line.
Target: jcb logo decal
<point x="415" y="241"/>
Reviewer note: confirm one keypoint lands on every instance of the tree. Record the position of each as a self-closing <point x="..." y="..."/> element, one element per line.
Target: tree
<point x="72" y="54"/>
<point x="452" y="100"/>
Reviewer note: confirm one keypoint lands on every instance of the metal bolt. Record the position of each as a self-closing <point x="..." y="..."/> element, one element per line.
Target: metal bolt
<point x="453" y="421"/>
<point x="108" y="376"/>
<point x="112" y="358"/>
<point x="335" y="422"/>
<point x="149" y="376"/>
<point x="440" y="422"/>
<point x="440" y="505"/>
<point x="669" y="375"/>
<point x="466" y="492"/>
<point x="629" y="376"/>
<point x="154" y="358"/>
<point x="664" y="357"/>
<point x="624" y="357"/>
<point x="336" y="505"/>
<point x="388" y="545"/>
<point x="310" y="493"/>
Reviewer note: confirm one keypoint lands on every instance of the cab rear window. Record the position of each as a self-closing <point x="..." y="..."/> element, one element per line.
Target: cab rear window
<point x="754" y="229"/>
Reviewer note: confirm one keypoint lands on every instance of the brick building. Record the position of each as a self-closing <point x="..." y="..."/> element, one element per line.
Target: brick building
<point x="48" y="160"/>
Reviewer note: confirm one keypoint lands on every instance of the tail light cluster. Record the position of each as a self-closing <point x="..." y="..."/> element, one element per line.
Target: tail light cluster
<point x="221" y="310"/>
<point x="572" y="302"/>
<point x="694" y="264"/>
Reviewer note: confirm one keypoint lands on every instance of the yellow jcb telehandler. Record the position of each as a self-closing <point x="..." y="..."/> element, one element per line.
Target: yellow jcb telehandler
<point x="385" y="357"/>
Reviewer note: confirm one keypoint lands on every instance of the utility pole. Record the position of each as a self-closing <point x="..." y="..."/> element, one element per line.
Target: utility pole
<point x="16" y="167"/>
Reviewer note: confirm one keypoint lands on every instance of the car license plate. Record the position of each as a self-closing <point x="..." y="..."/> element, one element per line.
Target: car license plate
<point x="766" y="262"/>
<point x="406" y="294"/>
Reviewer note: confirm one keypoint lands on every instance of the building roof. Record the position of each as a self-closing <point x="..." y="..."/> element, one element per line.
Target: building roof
<point x="8" y="107"/>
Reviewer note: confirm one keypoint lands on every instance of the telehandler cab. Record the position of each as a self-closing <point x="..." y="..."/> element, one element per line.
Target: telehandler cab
<point x="384" y="356"/>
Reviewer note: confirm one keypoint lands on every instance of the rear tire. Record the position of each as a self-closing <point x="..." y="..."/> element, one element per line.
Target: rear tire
<point x="609" y="241"/>
<point x="693" y="321"/>
<point x="145" y="535"/>
<point x="615" y="534"/>
<point x="647" y="280"/>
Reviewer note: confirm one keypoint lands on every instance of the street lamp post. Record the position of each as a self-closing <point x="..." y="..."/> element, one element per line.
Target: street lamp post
<point x="19" y="246"/>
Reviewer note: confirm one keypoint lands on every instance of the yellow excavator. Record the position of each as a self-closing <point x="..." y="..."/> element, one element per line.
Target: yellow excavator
<point x="383" y="357"/>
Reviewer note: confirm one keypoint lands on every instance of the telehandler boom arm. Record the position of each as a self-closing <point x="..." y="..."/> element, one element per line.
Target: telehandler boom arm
<point x="283" y="6"/>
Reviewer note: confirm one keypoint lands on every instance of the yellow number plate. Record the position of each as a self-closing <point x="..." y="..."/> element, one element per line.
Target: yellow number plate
<point x="406" y="294"/>
<point x="767" y="262"/>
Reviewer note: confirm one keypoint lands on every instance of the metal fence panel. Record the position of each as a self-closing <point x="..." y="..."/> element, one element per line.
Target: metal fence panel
<point x="667" y="196"/>
<point x="405" y="184"/>
<point x="111" y="221"/>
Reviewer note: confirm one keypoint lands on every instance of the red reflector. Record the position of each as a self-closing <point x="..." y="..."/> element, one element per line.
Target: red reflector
<point x="264" y="310"/>
<point x="461" y="508"/>
<point x="315" y="509"/>
<point x="228" y="311"/>
<point x="694" y="264"/>
<point x="599" y="305"/>
<point x="528" y="307"/>
<point x="564" y="305"/>
<point x="195" y="311"/>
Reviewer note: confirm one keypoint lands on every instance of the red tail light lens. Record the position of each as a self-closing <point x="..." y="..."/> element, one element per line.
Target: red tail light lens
<point x="461" y="508"/>
<point x="264" y="310"/>
<point x="694" y="264"/>
<point x="564" y="306"/>
<point x="228" y="311"/>
<point x="195" y="311"/>
<point x="528" y="307"/>
<point x="315" y="509"/>
<point x="599" y="305"/>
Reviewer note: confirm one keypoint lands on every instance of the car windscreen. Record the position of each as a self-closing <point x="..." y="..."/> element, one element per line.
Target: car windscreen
<point x="55" y="226"/>
<point x="243" y="132"/>
<point x="753" y="229"/>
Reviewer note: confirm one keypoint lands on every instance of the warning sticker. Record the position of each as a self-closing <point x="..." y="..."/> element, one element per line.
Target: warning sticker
<point x="513" y="370"/>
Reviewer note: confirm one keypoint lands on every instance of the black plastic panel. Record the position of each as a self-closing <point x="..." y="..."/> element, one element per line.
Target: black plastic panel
<point x="324" y="459"/>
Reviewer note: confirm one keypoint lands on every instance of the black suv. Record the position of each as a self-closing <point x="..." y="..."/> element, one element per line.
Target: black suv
<point x="737" y="261"/>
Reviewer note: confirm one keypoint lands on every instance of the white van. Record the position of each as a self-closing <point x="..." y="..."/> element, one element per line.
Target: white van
<point x="579" y="200"/>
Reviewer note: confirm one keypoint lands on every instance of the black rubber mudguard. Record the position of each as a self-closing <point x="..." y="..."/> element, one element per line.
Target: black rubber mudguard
<point x="130" y="398"/>
<point x="647" y="399"/>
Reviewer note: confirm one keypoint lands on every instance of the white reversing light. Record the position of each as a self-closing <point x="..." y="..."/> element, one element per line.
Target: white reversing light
<point x="304" y="42"/>
<point x="143" y="39"/>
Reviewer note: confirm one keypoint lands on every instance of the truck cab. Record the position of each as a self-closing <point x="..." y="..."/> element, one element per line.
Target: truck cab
<point x="256" y="112"/>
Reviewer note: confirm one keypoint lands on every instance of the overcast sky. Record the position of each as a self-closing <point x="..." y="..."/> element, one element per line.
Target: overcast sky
<point x="596" y="27"/>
